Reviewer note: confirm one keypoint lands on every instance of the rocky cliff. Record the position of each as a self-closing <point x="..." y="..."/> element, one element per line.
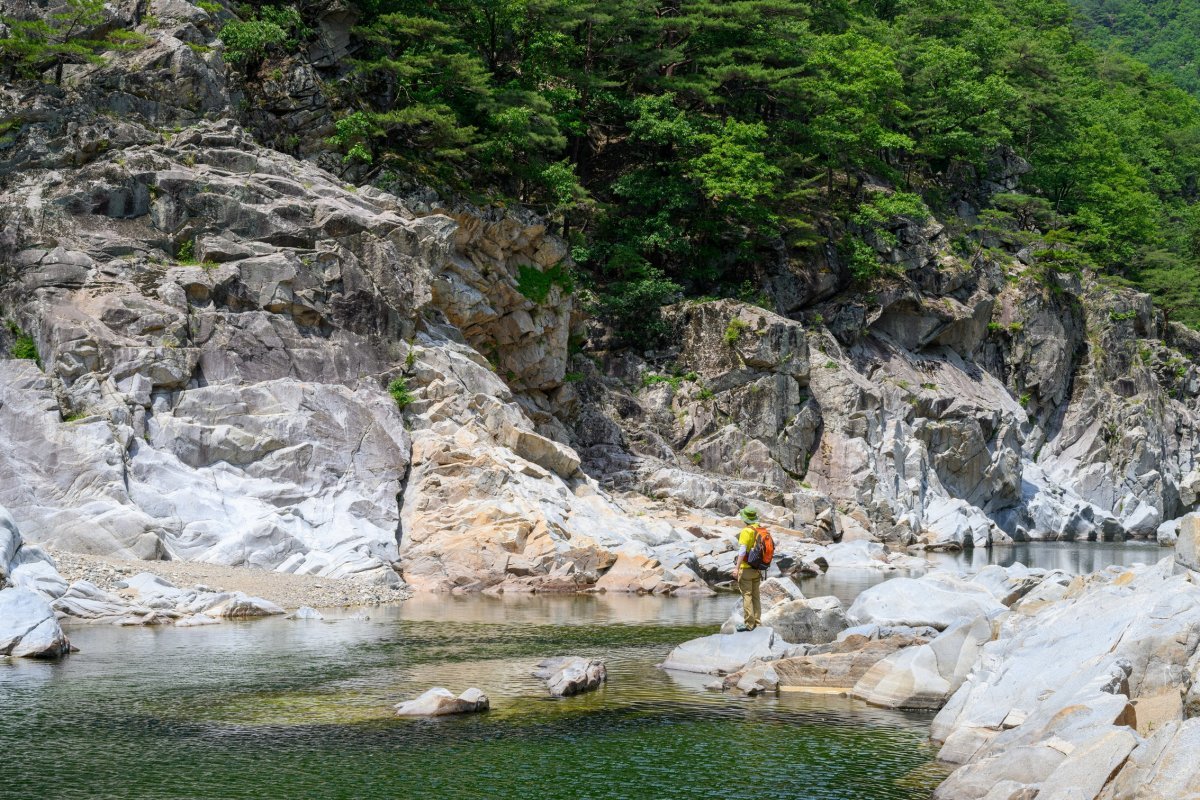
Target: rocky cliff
<point x="218" y="351"/>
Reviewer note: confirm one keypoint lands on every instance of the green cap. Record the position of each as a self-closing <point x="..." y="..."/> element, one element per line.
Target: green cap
<point x="749" y="516"/>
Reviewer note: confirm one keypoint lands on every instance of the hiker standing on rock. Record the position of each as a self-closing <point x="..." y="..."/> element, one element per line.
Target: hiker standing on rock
<point x="756" y="548"/>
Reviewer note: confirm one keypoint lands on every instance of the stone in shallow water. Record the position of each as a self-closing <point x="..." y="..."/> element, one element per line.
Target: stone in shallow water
<point x="242" y="605"/>
<point x="306" y="612"/>
<point x="28" y="627"/>
<point x="839" y="665"/>
<point x="721" y="654"/>
<point x="772" y="592"/>
<point x="440" y="702"/>
<point x="571" y="675"/>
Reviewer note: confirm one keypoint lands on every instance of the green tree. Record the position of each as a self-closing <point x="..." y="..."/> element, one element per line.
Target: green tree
<point x="71" y="36"/>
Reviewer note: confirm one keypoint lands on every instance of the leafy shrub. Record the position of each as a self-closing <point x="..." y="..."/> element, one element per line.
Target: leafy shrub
<point x="248" y="42"/>
<point x="634" y="306"/>
<point x="650" y="379"/>
<point x="535" y="284"/>
<point x="25" y="347"/>
<point x="733" y="331"/>
<point x="399" y="391"/>
<point x="187" y="252"/>
<point x="861" y="259"/>
<point x="352" y="134"/>
<point x="881" y="208"/>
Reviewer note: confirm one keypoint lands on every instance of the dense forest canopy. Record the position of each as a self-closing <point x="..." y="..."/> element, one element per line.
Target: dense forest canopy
<point x="1163" y="33"/>
<point x="681" y="144"/>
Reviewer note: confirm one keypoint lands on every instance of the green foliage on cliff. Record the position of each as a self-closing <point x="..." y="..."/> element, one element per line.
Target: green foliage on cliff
<point x="681" y="144"/>
<point x="25" y="347"/>
<point x="535" y="283"/>
<point x="400" y="392"/>
<point x="248" y="40"/>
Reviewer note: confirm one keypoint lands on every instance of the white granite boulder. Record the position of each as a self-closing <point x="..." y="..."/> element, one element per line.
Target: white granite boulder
<point x="1187" y="545"/>
<point x="772" y="592"/>
<point x="817" y="620"/>
<point x="937" y="600"/>
<point x="28" y="626"/>
<point x="572" y="675"/>
<point x="440" y="702"/>
<point x="1163" y="767"/>
<point x="25" y="566"/>
<point x="1009" y="584"/>
<point x="1167" y="533"/>
<point x="239" y="605"/>
<point x="86" y="601"/>
<point x="721" y="654"/>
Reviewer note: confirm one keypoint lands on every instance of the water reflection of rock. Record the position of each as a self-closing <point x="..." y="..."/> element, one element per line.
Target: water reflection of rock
<point x="1076" y="558"/>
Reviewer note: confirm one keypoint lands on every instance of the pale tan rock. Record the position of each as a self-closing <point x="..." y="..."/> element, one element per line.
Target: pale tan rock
<point x="841" y="667"/>
<point x="1152" y="712"/>
<point x="1164" y="767"/>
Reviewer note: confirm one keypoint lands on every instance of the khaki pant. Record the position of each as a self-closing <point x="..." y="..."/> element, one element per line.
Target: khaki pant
<point x="748" y="583"/>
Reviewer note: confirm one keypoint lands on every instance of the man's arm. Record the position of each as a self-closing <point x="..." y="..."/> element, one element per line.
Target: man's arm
<point x="739" y="560"/>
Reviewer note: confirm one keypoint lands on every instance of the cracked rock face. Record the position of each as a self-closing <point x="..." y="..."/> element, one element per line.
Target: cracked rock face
<point x="217" y="324"/>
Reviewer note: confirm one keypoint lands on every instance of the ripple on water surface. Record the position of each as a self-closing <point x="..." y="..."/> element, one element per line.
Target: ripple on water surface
<point x="288" y="709"/>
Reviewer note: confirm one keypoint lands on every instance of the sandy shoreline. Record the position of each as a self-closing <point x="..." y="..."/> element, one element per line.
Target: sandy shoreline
<point x="283" y="589"/>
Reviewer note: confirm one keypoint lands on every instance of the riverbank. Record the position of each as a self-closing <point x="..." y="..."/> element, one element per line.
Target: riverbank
<point x="284" y="589"/>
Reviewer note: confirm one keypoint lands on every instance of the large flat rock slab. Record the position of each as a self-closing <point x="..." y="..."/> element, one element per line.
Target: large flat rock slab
<point x="721" y="654"/>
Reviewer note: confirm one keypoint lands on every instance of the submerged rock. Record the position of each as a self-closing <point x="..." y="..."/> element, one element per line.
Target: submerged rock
<point x="439" y="702"/>
<point x="305" y="612"/>
<point x="571" y="675"/>
<point x="28" y="627"/>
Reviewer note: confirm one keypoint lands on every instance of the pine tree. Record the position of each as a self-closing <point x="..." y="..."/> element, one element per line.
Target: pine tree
<point x="72" y="36"/>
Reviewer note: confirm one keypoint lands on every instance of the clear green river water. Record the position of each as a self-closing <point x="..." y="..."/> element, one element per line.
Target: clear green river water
<point x="303" y="709"/>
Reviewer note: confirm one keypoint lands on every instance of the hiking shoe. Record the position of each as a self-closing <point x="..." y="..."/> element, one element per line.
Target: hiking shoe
<point x="743" y="628"/>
